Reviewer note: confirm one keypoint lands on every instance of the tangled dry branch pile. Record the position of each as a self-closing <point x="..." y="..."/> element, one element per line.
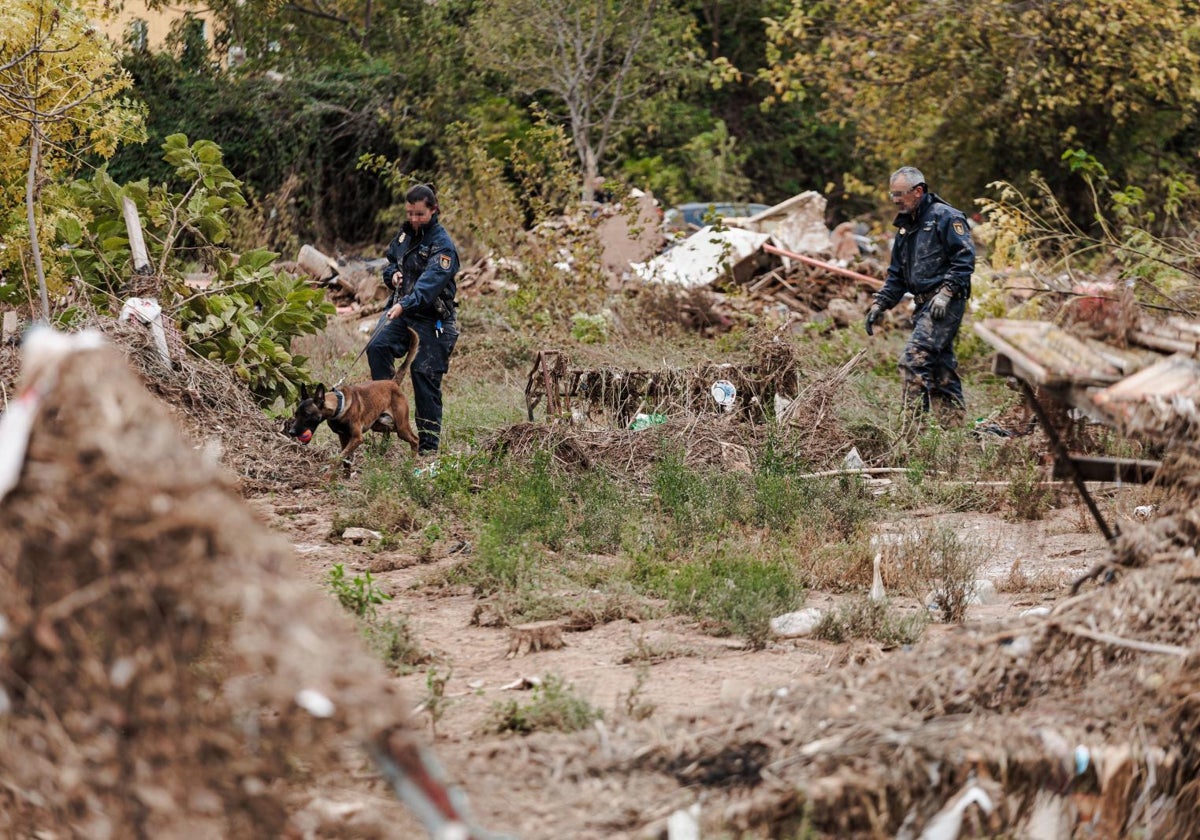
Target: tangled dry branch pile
<point x="212" y="407"/>
<point x="807" y="422"/>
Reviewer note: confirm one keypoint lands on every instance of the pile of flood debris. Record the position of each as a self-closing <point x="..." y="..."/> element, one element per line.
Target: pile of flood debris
<point x="211" y="406"/>
<point x="713" y="413"/>
<point x="784" y="261"/>
<point x="164" y="671"/>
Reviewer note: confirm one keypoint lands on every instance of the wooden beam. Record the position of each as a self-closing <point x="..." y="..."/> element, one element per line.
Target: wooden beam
<point x="873" y="282"/>
<point x="1124" y="470"/>
<point x="137" y="243"/>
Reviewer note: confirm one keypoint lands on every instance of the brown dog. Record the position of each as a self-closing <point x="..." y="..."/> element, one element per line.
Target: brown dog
<point x="352" y="410"/>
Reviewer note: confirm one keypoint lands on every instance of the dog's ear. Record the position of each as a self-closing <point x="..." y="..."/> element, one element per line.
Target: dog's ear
<point x="318" y="394"/>
<point x="303" y="392"/>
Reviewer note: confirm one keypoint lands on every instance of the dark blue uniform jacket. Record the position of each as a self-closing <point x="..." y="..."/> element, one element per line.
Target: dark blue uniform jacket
<point x="933" y="248"/>
<point x="425" y="262"/>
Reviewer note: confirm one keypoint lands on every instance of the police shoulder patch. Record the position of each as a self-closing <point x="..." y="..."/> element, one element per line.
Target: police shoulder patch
<point x="960" y="228"/>
<point x="444" y="261"/>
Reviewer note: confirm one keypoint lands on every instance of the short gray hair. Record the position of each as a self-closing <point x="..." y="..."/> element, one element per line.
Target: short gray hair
<point x="910" y="174"/>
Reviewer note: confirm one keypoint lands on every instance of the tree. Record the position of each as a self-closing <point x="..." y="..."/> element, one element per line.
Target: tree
<point x="601" y="60"/>
<point x="994" y="89"/>
<point x="58" y="81"/>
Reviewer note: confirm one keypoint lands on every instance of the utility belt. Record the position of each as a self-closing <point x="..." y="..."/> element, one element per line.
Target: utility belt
<point x="442" y="309"/>
<point x="922" y="299"/>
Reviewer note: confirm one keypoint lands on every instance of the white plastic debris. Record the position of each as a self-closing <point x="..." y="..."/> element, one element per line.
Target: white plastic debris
<point x="853" y="461"/>
<point x="150" y="314"/>
<point x="1143" y="512"/>
<point x="684" y="824"/>
<point x="1035" y="612"/>
<point x="983" y="593"/>
<point x="947" y="823"/>
<point x="724" y="393"/>
<point x="877" y="591"/>
<point x="315" y="703"/>
<point x="794" y="624"/>
<point x="702" y="258"/>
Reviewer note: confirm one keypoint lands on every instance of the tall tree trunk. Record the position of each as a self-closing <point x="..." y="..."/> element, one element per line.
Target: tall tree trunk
<point x="35" y="154"/>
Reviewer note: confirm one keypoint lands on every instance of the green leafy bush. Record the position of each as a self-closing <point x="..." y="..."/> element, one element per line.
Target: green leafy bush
<point x="247" y="319"/>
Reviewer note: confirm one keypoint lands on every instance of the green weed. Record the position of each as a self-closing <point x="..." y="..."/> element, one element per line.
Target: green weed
<point x="394" y="642"/>
<point x="359" y="594"/>
<point x="553" y="706"/>
<point x="734" y="592"/>
<point x="863" y="618"/>
<point x="435" y="701"/>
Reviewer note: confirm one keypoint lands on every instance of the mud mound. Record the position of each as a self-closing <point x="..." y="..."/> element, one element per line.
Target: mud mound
<point x="163" y="671"/>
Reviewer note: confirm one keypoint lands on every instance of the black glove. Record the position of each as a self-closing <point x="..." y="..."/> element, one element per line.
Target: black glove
<point x="940" y="301"/>
<point x="874" y="316"/>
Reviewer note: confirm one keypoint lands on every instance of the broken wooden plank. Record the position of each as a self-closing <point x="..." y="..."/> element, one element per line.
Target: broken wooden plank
<point x="137" y="242"/>
<point x="1046" y="354"/>
<point x="873" y="282"/>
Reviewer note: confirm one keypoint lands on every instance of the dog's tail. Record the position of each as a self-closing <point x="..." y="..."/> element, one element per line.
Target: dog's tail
<point x="413" y="345"/>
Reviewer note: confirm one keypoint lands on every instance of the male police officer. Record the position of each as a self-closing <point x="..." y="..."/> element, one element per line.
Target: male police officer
<point x="933" y="258"/>
<point x="422" y="262"/>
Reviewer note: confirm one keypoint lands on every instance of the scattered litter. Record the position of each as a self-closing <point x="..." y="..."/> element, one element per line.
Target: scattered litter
<point x="724" y="393"/>
<point x="1143" y="512"/>
<point x="1035" y="612"/>
<point x="522" y="684"/>
<point x="428" y="471"/>
<point x="684" y="824"/>
<point x="315" y="703"/>
<point x="645" y="421"/>
<point x="853" y="461"/>
<point x="795" y="624"/>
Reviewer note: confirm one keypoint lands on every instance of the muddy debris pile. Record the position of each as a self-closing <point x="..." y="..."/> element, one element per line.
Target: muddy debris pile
<point x="164" y="670"/>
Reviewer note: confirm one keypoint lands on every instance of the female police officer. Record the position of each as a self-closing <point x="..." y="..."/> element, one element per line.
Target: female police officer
<point x="422" y="262"/>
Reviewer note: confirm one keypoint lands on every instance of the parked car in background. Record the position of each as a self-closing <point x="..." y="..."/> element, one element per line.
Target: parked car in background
<point x="686" y="218"/>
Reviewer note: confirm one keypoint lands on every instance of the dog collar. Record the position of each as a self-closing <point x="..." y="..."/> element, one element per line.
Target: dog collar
<point x="341" y="407"/>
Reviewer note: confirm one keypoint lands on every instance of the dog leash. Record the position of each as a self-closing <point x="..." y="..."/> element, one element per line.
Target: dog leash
<point x="375" y="332"/>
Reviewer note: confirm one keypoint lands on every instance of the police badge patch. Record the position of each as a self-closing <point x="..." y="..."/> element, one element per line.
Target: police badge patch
<point x="960" y="228"/>
<point x="444" y="261"/>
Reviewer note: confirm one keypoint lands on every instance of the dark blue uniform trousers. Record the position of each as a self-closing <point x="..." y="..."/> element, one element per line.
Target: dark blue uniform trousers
<point x="428" y="368"/>
<point x="928" y="367"/>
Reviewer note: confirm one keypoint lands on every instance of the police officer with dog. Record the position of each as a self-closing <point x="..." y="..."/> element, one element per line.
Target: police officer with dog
<point x="933" y="258"/>
<point x="422" y="263"/>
